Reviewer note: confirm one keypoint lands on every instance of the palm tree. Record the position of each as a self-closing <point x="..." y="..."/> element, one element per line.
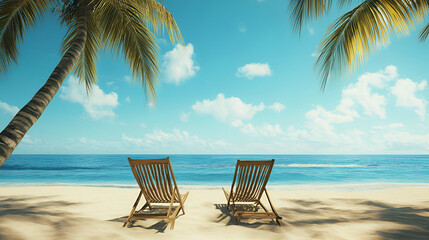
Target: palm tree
<point x="364" y="28"/>
<point x="126" y="27"/>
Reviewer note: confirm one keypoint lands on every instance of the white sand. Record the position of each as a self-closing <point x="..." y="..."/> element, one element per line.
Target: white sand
<point x="65" y="212"/>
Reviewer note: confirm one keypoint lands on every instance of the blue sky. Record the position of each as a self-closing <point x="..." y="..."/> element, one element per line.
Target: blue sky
<point x="243" y="82"/>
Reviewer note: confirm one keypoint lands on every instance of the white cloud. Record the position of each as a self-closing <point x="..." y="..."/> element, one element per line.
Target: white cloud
<point x="180" y="138"/>
<point x="143" y="125"/>
<point x="295" y="134"/>
<point x="404" y="90"/>
<point x="175" y="136"/>
<point x="9" y="109"/>
<point x="30" y="140"/>
<point x="267" y="130"/>
<point x="310" y="30"/>
<point x="237" y="123"/>
<point x="128" y="99"/>
<point x="179" y="64"/>
<point x="320" y="120"/>
<point x="128" y="79"/>
<point x="252" y="70"/>
<point x="278" y="107"/>
<point x="242" y="29"/>
<point x="110" y="83"/>
<point x="346" y="107"/>
<point x="90" y="142"/>
<point x="361" y="93"/>
<point x="389" y="126"/>
<point x="177" y="141"/>
<point x="184" y="116"/>
<point x="98" y="104"/>
<point x="135" y="141"/>
<point x="231" y="110"/>
<point x="321" y="134"/>
<point x="407" y="139"/>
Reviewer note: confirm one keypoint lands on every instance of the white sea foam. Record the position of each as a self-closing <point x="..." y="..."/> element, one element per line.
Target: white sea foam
<point x="319" y="165"/>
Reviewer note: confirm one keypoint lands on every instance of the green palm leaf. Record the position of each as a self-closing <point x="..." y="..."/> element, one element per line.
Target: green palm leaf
<point x="351" y="38"/>
<point x="124" y="30"/>
<point x="305" y="10"/>
<point x="15" y="17"/>
<point x="159" y="18"/>
<point x="85" y="68"/>
<point x="424" y="33"/>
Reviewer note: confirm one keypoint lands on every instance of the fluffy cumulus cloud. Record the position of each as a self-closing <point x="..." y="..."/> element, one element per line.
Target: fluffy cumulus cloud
<point x="361" y="93"/>
<point x="231" y="110"/>
<point x="9" y="109"/>
<point x="179" y="64"/>
<point x="97" y="104"/>
<point x="356" y="99"/>
<point x="177" y="141"/>
<point x="368" y="96"/>
<point x="319" y="122"/>
<point x="252" y="70"/>
<point x="405" y="92"/>
<point x="278" y="107"/>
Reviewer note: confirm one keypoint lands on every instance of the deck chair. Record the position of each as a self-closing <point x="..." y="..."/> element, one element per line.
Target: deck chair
<point x="248" y="185"/>
<point x="157" y="184"/>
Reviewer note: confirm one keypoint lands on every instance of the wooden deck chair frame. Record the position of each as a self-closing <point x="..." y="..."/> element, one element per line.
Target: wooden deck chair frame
<point x="157" y="184"/>
<point x="250" y="180"/>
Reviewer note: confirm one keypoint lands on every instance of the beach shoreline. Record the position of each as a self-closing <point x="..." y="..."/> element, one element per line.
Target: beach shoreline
<point x="83" y="212"/>
<point x="344" y="187"/>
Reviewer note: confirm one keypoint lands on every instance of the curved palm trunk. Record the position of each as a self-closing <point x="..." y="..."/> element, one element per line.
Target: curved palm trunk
<point x="30" y="113"/>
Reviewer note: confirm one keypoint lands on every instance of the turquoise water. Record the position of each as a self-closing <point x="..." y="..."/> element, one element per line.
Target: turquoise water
<point x="219" y="169"/>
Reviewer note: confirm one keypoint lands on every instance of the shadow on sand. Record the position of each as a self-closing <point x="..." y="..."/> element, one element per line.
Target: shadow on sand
<point x="32" y="210"/>
<point x="226" y="216"/>
<point x="317" y="218"/>
<point x="407" y="222"/>
<point x="398" y="221"/>
<point x="159" y="224"/>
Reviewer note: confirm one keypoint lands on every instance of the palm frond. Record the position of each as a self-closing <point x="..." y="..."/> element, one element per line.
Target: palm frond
<point x="159" y="18"/>
<point x="305" y="10"/>
<point x="16" y="16"/>
<point x="343" y="3"/>
<point x="85" y="67"/>
<point x="124" y="31"/>
<point x="351" y="38"/>
<point x="423" y="35"/>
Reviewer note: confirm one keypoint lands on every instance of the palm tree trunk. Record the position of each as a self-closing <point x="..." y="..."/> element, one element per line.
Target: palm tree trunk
<point x="30" y="113"/>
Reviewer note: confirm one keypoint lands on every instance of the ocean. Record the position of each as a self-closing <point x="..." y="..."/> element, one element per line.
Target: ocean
<point x="217" y="170"/>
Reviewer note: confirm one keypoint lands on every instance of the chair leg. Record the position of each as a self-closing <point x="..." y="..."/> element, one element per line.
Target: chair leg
<point x="180" y="200"/>
<point x="265" y="209"/>
<point x="143" y="208"/>
<point x="278" y="218"/>
<point x="172" y="218"/>
<point x="127" y="221"/>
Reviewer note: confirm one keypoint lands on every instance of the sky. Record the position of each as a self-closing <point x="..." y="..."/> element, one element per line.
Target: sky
<point x="243" y="82"/>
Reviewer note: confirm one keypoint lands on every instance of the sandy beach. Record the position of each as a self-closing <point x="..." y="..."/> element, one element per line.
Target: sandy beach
<point x="68" y="212"/>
